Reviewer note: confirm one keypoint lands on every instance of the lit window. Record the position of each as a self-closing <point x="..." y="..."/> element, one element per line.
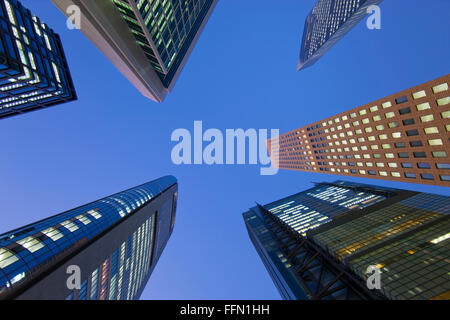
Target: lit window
<point x="95" y="214"/>
<point x="376" y="118"/>
<point x="368" y="129"/>
<point x="395" y="174"/>
<point x="374" y="147"/>
<point x="6" y="258"/>
<point x="336" y="120"/>
<point x="356" y="123"/>
<point x="383" y="136"/>
<point x="396" y="134"/>
<point x="392" y="165"/>
<point x="360" y="164"/>
<point x="31" y="243"/>
<point x="362" y="171"/>
<point x="362" y="112"/>
<point x="361" y="139"/>
<point x="353" y="115"/>
<point x="443" y="101"/>
<point x="363" y="147"/>
<point x="83" y="219"/>
<point x="380" y="164"/>
<point x="383" y="173"/>
<point x="435" y="142"/>
<point x="387" y="104"/>
<point x="423" y="106"/>
<point x="358" y="131"/>
<point x="445" y="114"/>
<point x="52" y="233"/>
<point x="431" y="130"/>
<point x="447" y="127"/>
<point x="386" y="146"/>
<point x="393" y="124"/>
<point x="419" y="94"/>
<point x="373" y="109"/>
<point x="379" y="127"/>
<point x="439" y="154"/>
<point x="347" y="125"/>
<point x="344" y="118"/>
<point x="355" y="148"/>
<point x="371" y="138"/>
<point x="440" y="88"/>
<point x="389" y="155"/>
<point x="427" y="118"/>
<point x="69" y="225"/>
<point x="390" y="115"/>
<point x="365" y="120"/>
<point x="366" y="156"/>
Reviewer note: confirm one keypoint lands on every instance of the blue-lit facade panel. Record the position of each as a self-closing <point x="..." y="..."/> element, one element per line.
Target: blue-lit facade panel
<point x="33" y="68"/>
<point x="26" y="250"/>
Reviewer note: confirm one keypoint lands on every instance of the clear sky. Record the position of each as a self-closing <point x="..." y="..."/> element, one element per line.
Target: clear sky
<point x="241" y="74"/>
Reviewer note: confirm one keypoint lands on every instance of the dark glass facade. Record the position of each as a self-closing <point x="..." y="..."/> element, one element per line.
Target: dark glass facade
<point x="116" y="241"/>
<point x="319" y="243"/>
<point x="327" y="23"/>
<point x="33" y="68"/>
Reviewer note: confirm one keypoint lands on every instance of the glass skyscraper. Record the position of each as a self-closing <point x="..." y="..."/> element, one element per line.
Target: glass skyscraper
<point x="115" y="242"/>
<point x="33" y="68"/>
<point x="149" y="41"/>
<point x="318" y="244"/>
<point x="327" y="23"/>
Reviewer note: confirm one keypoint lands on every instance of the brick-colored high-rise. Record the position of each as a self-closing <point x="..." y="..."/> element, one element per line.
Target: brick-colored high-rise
<point x="402" y="137"/>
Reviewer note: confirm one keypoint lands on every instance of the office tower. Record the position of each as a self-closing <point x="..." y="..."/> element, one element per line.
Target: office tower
<point x="319" y="243"/>
<point x="402" y="137"/>
<point x="115" y="242"/>
<point x="326" y="24"/>
<point x="33" y="68"/>
<point x="149" y="41"/>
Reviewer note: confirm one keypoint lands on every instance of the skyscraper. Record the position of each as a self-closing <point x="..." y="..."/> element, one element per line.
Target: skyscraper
<point x="327" y="23"/>
<point x="115" y="242"/>
<point x="33" y="68"/>
<point x="149" y="41"/>
<point x="402" y="137"/>
<point x="319" y="244"/>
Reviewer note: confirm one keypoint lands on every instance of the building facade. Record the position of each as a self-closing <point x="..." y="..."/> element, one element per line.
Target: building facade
<point x="33" y="68"/>
<point x="149" y="41"/>
<point x="319" y="244"/>
<point x="326" y="24"/>
<point x="114" y="242"/>
<point x="402" y="137"/>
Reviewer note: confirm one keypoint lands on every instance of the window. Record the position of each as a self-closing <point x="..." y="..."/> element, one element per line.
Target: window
<point x="411" y="133"/>
<point x="443" y="165"/>
<point x="365" y="120"/>
<point x="445" y="114"/>
<point x="400" y="145"/>
<point x="31" y="243"/>
<point x="383" y="136"/>
<point x="410" y="175"/>
<point x="444" y="177"/>
<point x="431" y="130"/>
<point x="6" y="258"/>
<point x="404" y="110"/>
<point x="373" y="109"/>
<point x="439" y="154"/>
<point x="419" y="94"/>
<point x="417" y="143"/>
<point x="389" y="155"/>
<point x="393" y="124"/>
<point x="396" y="135"/>
<point x="395" y="174"/>
<point x="362" y="112"/>
<point x="403" y="155"/>
<point x="427" y="176"/>
<point x="380" y="127"/>
<point x="389" y="115"/>
<point x="435" y="142"/>
<point x="440" y="88"/>
<point x="52" y="233"/>
<point x="408" y="122"/>
<point x="376" y="118"/>
<point x="443" y="101"/>
<point x="95" y="214"/>
<point x="423" y="165"/>
<point x="427" y="118"/>
<point x="423" y="106"/>
<point x="386" y="146"/>
<point x="386" y="105"/>
<point x="83" y="219"/>
<point x="69" y="225"/>
<point x="420" y="155"/>
<point x="392" y="165"/>
<point x="383" y="173"/>
<point x="407" y="165"/>
<point x="401" y="100"/>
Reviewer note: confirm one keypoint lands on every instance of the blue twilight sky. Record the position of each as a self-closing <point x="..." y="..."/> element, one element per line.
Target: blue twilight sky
<point x="241" y="74"/>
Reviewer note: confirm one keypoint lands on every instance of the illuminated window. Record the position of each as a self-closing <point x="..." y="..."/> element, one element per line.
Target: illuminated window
<point x="389" y="155"/>
<point x="368" y="129"/>
<point x="447" y="127"/>
<point x="387" y="104"/>
<point x="6" y="258"/>
<point x="383" y="136"/>
<point x="373" y="109"/>
<point x="371" y="138"/>
<point x="361" y="139"/>
<point x="431" y="130"/>
<point x="362" y="171"/>
<point x="344" y="118"/>
<point x="435" y="142"/>
<point x="390" y="115"/>
<point x="443" y="101"/>
<point x="419" y="94"/>
<point x="365" y="120"/>
<point x="380" y="164"/>
<point x="95" y="214"/>
<point x="379" y="127"/>
<point x="392" y="165"/>
<point x="396" y="135"/>
<point x="427" y="118"/>
<point x="423" y="106"/>
<point x="52" y="233"/>
<point x="362" y="112"/>
<point x="347" y="125"/>
<point x="353" y="115"/>
<point x="383" y="173"/>
<point x="69" y="225"/>
<point x="445" y="114"/>
<point x="374" y="147"/>
<point x="83" y="219"/>
<point x="376" y="118"/>
<point x="440" y="88"/>
<point x="439" y="154"/>
<point x="393" y="124"/>
<point x="396" y="174"/>
<point x="358" y="131"/>
<point x="386" y="146"/>
<point x="31" y="243"/>
<point x="356" y="123"/>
